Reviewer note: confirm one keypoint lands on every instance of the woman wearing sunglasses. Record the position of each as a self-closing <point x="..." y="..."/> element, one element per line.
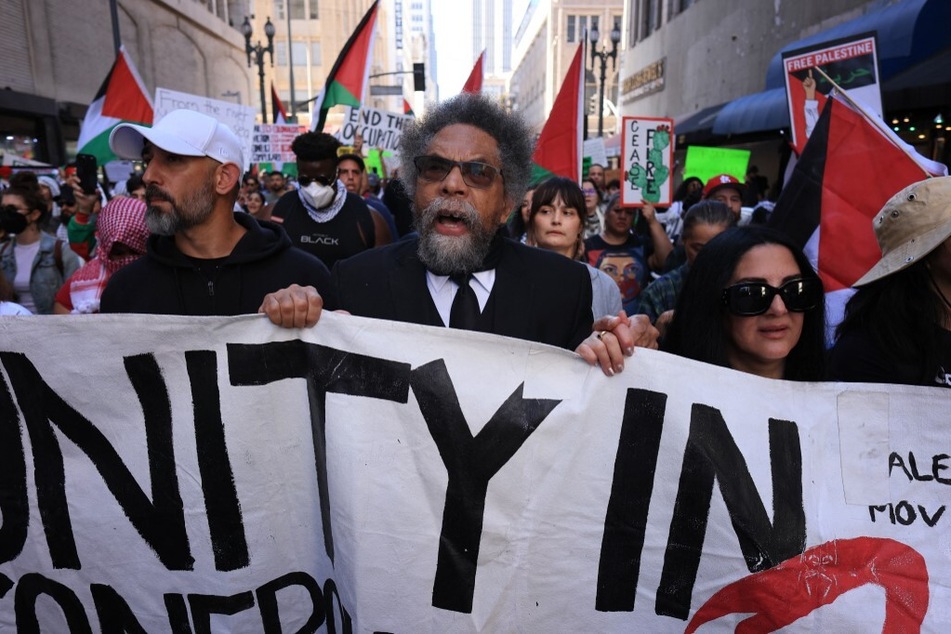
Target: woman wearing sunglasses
<point x="752" y="303"/>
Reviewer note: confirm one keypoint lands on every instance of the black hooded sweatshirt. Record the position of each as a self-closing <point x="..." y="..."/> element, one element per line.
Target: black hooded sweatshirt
<point x="167" y="282"/>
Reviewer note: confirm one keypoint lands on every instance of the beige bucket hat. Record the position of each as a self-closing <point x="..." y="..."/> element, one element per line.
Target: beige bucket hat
<point x="912" y="224"/>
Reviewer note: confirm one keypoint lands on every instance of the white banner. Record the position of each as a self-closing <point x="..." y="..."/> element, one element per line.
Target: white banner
<point x="169" y="474"/>
<point x="272" y="142"/>
<point x="380" y="129"/>
<point x="237" y="117"/>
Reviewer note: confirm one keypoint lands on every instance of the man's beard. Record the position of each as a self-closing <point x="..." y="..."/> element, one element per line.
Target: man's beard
<point x="194" y="209"/>
<point x="447" y="255"/>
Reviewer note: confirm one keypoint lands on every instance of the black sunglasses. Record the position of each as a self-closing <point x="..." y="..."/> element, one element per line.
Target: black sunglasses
<point x="475" y="174"/>
<point x="747" y="299"/>
<point x="304" y="181"/>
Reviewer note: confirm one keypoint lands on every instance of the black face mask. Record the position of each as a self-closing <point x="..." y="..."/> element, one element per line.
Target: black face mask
<point x="11" y="220"/>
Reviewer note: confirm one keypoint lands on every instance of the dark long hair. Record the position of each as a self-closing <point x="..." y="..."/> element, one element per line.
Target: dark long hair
<point x="571" y="195"/>
<point x="902" y="313"/>
<point x="698" y="328"/>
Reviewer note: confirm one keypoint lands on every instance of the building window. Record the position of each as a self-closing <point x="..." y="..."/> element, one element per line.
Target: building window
<point x="278" y="9"/>
<point x="570" y="36"/>
<point x="314" y="13"/>
<point x="299" y="53"/>
<point x="280" y="52"/>
<point x="315" y="57"/>
<point x="296" y="9"/>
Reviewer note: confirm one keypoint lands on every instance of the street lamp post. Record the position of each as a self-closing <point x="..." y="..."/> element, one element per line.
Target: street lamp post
<point x="259" y="52"/>
<point x="603" y="55"/>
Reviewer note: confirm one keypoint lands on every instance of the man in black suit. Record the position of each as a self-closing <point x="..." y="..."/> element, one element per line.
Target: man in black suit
<point x="464" y="166"/>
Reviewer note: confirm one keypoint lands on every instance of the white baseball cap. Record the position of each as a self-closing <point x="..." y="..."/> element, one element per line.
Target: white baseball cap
<point x="183" y="132"/>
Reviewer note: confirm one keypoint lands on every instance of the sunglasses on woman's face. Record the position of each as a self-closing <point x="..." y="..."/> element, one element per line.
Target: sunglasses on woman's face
<point x="475" y="174"/>
<point x="747" y="299"/>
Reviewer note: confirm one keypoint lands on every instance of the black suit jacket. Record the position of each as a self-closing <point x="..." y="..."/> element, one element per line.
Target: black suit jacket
<point x="538" y="295"/>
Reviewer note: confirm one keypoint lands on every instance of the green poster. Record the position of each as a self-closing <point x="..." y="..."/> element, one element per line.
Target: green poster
<point x="707" y="162"/>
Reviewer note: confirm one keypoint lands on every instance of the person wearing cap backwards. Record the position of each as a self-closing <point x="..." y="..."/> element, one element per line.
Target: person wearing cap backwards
<point x="727" y="190"/>
<point x="896" y="326"/>
<point x="201" y="257"/>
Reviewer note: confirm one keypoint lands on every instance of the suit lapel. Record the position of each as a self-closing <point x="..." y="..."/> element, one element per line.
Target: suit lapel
<point x="410" y="296"/>
<point x="513" y="294"/>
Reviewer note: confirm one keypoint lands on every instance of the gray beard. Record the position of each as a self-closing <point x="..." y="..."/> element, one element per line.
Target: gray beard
<point x="194" y="209"/>
<point x="448" y="255"/>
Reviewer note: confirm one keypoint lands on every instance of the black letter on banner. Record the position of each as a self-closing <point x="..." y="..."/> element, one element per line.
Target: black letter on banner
<point x="5" y="585"/>
<point x="14" y="503"/>
<point x="115" y="616"/>
<point x="204" y="605"/>
<point x="346" y="621"/>
<point x="712" y="455"/>
<point x="217" y="478"/>
<point x="177" y="614"/>
<point x="162" y="523"/>
<point x="625" y="522"/>
<point x="30" y="587"/>
<point x="271" y="614"/>
<point x="326" y="370"/>
<point x="470" y="463"/>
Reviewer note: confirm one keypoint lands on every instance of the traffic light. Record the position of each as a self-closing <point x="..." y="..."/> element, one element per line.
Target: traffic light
<point x="419" y="77"/>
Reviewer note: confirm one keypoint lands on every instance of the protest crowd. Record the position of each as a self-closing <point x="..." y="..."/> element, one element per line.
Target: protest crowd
<point x="457" y="235"/>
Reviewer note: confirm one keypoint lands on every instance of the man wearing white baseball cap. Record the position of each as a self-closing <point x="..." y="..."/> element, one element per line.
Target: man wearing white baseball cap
<point x="203" y="258"/>
<point x="897" y="326"/>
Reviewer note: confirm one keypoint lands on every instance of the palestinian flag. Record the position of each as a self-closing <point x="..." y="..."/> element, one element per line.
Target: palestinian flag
<point x="278" y="114"/>
<point x="347" y="81"/>
<point x="559" y="146"/>
<point x="849" y="168"/>
<point x="121" y="98"/>
<point x="474" y="83"/>
<point x="408" y="109"/>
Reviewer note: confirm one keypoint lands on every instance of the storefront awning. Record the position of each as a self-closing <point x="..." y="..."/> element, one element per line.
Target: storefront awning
<point x="908" y="33"/>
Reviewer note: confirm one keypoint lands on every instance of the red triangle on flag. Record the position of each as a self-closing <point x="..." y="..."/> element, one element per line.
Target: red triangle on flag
<point x="125" y="96"/>
<point x="558" y="150"/>
<point x="474" y="83"/>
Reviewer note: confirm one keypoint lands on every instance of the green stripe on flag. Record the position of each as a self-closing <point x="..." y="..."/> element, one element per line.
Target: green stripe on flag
<point x="98" y="146"/>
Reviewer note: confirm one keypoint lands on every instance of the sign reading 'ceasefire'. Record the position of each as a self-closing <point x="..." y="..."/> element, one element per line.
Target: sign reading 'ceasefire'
<point x="376" y="476"/>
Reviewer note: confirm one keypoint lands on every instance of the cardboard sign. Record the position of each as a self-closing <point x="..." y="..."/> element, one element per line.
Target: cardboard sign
<point x="237" y="117"/>
<point x="376" y="476"/>
<point x="647" y="159"/>
<point x="380" y="129"/>
<point x="272" y="143"/>
<point x="707" y="162"/>
<point x="851" y="63"/>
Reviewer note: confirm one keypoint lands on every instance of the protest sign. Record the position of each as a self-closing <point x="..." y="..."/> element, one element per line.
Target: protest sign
<point x="852" y="63"/>
<point x="593" y="151"/>
<point x="647" y="159"/>
<point x="237" y="117"/>
<point x="272" y="143"/>
<point x="173" y="474"/>
<point x="707" y="162"/>
<point x="379" y="128"/>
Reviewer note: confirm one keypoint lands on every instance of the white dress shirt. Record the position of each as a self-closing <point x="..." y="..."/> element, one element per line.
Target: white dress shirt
<point x="443" y="290"/>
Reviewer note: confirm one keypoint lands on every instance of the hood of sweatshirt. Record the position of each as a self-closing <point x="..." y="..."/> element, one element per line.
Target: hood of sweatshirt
<point x="262" y="239"/>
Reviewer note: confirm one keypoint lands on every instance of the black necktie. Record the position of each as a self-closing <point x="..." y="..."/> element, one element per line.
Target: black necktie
<point x="465" y="311"/>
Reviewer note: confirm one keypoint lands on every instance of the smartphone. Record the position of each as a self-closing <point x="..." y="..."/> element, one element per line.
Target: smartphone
<point x="87" y="171"/>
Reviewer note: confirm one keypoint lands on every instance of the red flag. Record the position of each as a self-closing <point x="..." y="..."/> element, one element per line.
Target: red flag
<point x="408" y="109"/>
<point x="348" y="79"/>
<point x="278" y="114"/>
<point x="558" y="150"/>
<point x="474" y="83"/>
<point x="848" y="169"/>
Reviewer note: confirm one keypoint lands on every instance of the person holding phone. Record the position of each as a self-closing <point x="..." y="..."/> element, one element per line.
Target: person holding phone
<point x="35" y="262"/>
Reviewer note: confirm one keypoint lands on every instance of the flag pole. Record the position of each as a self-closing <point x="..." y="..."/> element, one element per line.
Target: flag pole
<point x="874" y="120"/>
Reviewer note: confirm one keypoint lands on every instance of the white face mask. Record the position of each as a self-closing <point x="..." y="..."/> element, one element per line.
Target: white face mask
<point x="319" y="196"/>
